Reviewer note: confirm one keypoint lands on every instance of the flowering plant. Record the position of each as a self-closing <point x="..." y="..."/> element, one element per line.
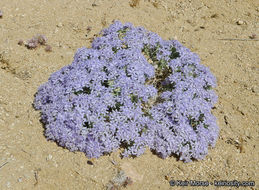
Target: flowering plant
<point x="131" y="90"/>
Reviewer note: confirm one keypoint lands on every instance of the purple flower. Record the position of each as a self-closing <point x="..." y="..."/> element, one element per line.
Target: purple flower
<point x="132" y="90"/>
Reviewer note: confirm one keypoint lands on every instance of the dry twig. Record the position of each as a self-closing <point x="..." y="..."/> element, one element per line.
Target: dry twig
<point x="3" y="164"/>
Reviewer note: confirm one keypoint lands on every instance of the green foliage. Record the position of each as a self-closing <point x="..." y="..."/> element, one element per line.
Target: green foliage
<point x="122" y="32"/>
<point x="174" y="54"/>
<point x="85" y="90"/>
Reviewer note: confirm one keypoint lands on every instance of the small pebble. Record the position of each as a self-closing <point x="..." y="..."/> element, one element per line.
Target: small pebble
<point x="49" y="157"/>
<point x="59" y="25"/>
<point x="19" y="179"/>
<point x="1" y="14"/>
<point x="214" y="15"/>
<point x="253" y="36"/>
<point x="255" y="89"/>
<point x="20" y="42"/>
<point x="88" y="29"/>
<point x="90" y="162"/>
<point x="240" y="22"/>
<point x="48" y="48"/>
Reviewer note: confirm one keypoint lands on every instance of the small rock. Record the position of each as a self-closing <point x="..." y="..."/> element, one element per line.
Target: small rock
<point x="1" y="14"/>
<point x="20" y="42"/>
<point x="19" y="179"/>
<point x="90" y="163"/>
<point x="214" y="15"/>
<point x="255" y="89"/>
<point x="252" y="36"/>
<point x="48" y="48"/>
<point x="49" y="157"/>
<point x="88" y="29"/>
<point x="240" y="22"/>
<point x="59" y="25"/>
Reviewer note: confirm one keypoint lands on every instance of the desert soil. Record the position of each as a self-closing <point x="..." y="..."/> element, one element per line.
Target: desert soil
<point x="224" y="33"/>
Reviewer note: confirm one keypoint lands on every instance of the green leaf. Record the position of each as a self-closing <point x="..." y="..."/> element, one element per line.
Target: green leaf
<point x="85" y="90"/>
<point x="115" y="49"/>
<point x="162" y="64"/>
<point x="88" y="125"/>
<point x="122" y="32"/>
<point x="174" y="54"/>
<point x="207" y="87"/>
<point x="117" y="91"/>
<point x="134" y="98"/>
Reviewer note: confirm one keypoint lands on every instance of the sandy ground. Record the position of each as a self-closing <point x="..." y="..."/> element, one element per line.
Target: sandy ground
<point x="29" y="161"/>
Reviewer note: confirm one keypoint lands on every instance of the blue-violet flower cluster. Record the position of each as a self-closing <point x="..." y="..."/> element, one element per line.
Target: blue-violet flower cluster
<point x="131" y="90"/>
